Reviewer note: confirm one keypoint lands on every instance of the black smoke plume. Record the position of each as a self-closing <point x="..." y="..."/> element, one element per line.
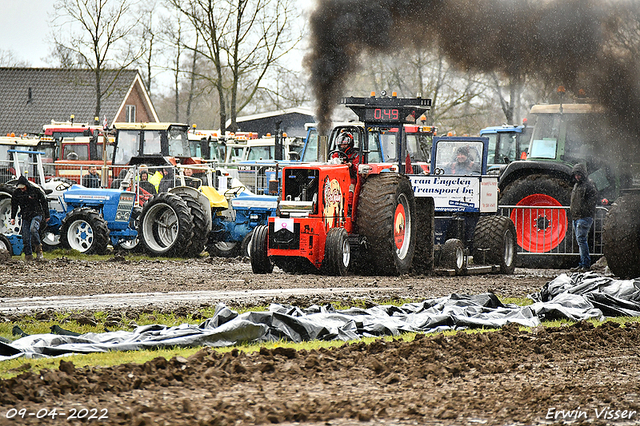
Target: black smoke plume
<point x="581" y="44"/>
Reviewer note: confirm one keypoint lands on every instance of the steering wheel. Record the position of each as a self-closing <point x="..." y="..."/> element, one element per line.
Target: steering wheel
<point x="235" y="190"/>
<point x="438" y="171"/>
<point x="341" y="154"/>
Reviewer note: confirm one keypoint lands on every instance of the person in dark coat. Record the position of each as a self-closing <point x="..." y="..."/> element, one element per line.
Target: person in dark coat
<point x="33" y="206"/>
<point x="584" y="199"/>
<point x="167" y="181"/>
<point x="92" y="178"/>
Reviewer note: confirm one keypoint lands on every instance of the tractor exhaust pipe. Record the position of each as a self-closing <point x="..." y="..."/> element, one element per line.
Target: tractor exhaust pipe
<point x="323" y="148"/>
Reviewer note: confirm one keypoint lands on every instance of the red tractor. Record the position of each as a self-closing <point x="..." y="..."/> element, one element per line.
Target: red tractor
<point x="329" y="212"/>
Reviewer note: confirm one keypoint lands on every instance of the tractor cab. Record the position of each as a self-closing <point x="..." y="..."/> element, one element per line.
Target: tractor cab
<point x="150" y="142"/>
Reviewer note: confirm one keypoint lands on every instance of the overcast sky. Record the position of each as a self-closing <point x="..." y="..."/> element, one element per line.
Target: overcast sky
<point x="25" y="28"/>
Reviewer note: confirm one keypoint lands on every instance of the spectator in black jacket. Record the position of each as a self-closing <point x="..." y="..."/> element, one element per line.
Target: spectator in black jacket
<point x="584" y="199"/>
<point x="33" y="206"/>
<point x="167" y="181"/>
<point x="91" y="179"/>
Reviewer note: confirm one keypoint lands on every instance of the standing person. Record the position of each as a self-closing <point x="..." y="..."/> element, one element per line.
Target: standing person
<point x="156" y="178"/>
<point x="91" y="179"/>
<point x="167" y="181"/>
<point x="33" y="207"/>
<point x="584" y="198"/>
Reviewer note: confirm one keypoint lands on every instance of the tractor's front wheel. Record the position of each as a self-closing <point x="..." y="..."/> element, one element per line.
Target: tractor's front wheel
<point x="386" y="216"/>
<point x="337" y="252"/>
<point x="6" y="228"/>
<point x="223" y="248"/>
<point x="49" y="238"/>
<point x="166" y="226"/>
<point x="133" y="245"/>
<point x="260" y="262"/>
<point x="453" y="255"/>
<point x="494" y="242"/>
<point x="84" y="230"/>
<point x="5" y="244"/>
<point x="245" y="249"/>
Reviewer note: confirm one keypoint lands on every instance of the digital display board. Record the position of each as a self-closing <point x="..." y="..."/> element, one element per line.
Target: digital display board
<point x="382" y="114"/>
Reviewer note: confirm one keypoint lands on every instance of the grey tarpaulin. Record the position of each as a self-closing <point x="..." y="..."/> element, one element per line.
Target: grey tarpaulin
<point x="575" y="297"/>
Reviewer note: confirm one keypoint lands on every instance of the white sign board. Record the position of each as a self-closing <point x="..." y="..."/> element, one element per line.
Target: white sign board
<point x="450" y="193"/>
<point x="489" y="195"/>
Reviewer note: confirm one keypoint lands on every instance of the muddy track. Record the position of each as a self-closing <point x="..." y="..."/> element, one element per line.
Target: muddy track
<point x="504" y="377"/>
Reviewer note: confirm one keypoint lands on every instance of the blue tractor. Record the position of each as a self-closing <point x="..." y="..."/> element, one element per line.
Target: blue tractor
<point x="507" y="143"/>
<point x="91" y="219"/>
<point x="83" y="219"/>
<point x="233" y="227"/>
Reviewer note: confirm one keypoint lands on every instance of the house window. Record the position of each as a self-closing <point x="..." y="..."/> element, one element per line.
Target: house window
<point x="131" y="113"/>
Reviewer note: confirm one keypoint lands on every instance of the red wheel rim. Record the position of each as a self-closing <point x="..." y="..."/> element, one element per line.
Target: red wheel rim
<point x="399" y="226"/>
<point x="539" y="230"/>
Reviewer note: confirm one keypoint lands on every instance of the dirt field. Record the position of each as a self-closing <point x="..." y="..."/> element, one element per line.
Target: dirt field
<point x="505" y="378"/>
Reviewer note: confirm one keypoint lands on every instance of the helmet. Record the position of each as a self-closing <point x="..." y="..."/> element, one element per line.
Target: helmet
<point x="345" y="138"/>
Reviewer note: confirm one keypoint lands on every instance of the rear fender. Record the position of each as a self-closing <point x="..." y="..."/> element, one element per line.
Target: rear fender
<point x="518" y="169"/>
<point x="376" y="168"/>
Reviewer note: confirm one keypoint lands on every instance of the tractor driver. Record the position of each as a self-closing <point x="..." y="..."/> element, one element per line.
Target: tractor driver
<point x="346" y="145"/>
<point x="462" y="165"/>
<point x="350" y="156"/>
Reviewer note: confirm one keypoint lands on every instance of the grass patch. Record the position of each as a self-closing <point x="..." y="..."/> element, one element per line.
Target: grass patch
<point x="61" y="253"/>
<point x="520" y="301"/>
<point x="31" y="325"/>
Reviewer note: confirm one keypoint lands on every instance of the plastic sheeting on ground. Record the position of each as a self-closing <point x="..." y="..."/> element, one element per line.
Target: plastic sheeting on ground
<point x="575" y="297"/>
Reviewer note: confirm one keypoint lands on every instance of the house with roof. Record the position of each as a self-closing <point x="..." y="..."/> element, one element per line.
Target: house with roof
<point x="33" y="97"/>
<point x="290" y="120"/>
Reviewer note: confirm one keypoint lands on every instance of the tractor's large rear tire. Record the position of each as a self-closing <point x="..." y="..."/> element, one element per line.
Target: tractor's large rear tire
<point x="543" y="229"/>
<point x="200" y="228"/>
<point x="621" y="237"/>
<point x="386" y="216"/>
<point x="84" y="230"/>
<point x="260" y="262"/>
<point x="423" y="258"/>
<point x="166" y="226"/>
<point x="494" y="243"/>
<point x="337" y="253"/>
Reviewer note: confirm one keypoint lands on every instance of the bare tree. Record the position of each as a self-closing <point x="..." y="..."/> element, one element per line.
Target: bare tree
<point x="192" y="78"/>
<point x="241" y="39"/>
<point x="99" y="32"/>
<point x="8" y="58"/>
<point x="421" y="71"/>
<point x="284" y="88"/>
<point x="149" y="36"/>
